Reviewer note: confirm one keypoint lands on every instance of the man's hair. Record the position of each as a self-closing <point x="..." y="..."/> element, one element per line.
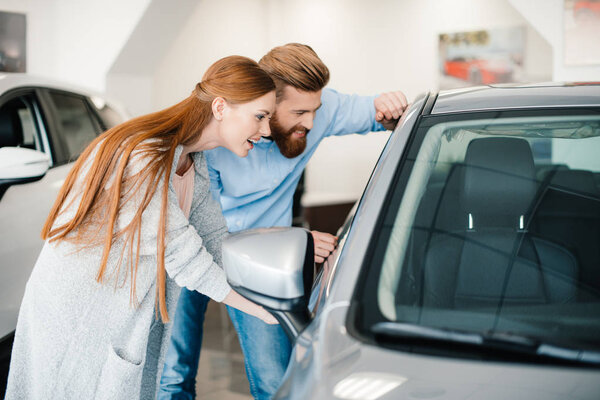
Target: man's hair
<point x="296" y="65"/>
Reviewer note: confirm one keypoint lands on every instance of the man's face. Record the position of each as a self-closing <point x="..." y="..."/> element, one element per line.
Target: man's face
<point x="293" y="119"/>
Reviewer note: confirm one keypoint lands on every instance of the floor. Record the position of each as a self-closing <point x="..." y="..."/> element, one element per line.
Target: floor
<point x="221" y="374"/>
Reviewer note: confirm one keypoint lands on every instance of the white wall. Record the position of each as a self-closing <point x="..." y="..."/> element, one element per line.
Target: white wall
<point x="76" y="40"/>
<point x="214" y="29"/>
<point x="41" y="33"/>
<point x="383" y="45"/>
<point x="377" y="45"/>
<point x="547" y="16"/>
<point x="369" y="46"/>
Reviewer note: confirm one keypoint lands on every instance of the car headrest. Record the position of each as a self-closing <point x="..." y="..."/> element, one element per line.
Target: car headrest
<point x="499" y="177"/>
<point x="10" y="128"/>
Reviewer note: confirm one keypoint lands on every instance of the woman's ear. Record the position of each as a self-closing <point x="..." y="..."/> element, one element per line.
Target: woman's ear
<point x="218" y="108"/>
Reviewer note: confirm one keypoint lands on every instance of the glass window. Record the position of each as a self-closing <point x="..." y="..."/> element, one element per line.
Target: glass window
<point x="18" y="124"/>
<point x="76" y="127"/>
<point x="492" y="231"/>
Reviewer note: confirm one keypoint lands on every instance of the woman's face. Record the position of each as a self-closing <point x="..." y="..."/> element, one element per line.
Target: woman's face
<point x="243" y="124"/>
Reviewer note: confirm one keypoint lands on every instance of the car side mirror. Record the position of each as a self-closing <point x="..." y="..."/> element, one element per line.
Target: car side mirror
<point x="273" y="267"/>
<point x="21" y="165"/>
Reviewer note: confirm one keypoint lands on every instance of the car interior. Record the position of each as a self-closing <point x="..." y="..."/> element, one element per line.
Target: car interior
<point x="499" y="226"/>
<point x="497" y="186"/>
<point x="16" y="126"/>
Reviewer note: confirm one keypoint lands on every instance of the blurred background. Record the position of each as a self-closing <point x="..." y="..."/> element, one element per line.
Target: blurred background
<point x="149" y="54"/>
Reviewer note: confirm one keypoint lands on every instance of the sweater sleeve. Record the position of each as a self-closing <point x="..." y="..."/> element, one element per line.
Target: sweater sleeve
<point x="207" y="217"/>
<point x="188" y="260"/>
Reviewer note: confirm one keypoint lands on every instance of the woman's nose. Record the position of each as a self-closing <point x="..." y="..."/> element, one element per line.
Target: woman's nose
<point x="265" y="129"/>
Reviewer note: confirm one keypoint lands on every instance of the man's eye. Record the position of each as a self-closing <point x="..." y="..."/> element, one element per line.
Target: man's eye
<point x="300" y="112"/>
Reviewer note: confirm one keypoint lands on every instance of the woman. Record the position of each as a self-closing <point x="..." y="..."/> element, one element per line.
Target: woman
<point x="120" y="243"/>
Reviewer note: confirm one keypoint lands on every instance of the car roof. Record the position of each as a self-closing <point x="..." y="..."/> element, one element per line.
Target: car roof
<point x="512" y="96"/>
<point x="9" y="81"/>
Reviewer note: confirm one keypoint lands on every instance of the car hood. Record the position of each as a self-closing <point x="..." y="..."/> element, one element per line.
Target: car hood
<point x="328" y="363"/>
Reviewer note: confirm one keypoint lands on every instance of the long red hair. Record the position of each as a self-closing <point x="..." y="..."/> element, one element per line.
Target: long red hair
<point x="106" y="188"/>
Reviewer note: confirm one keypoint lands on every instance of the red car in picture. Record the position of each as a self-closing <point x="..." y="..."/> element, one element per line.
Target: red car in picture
<point x="479" y="71"/>
<point x="586" y="9"/>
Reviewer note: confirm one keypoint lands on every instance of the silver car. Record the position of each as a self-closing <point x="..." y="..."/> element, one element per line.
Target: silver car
<point x="470" y="268"/>
<point x="44" y="126"/>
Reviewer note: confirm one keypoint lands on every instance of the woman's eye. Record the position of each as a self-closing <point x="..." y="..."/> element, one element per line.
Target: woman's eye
<point x="260" y="117"/>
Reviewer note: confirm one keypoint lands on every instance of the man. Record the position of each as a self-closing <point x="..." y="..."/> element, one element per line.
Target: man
<point x="257" y="191"/>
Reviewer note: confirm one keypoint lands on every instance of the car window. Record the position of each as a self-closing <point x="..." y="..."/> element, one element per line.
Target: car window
<point x="325" y="276"/>
<point x="18" y="126"/>
<point x="493" y="227"/>
<point x="109" y="116"/>
<point x="77" y="128"/>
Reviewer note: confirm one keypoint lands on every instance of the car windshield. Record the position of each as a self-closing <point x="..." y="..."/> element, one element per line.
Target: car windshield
<point x="492" y="228"/>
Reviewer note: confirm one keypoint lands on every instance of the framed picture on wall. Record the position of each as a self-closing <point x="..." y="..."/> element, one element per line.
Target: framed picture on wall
<point x="481" y="57"/>
<point x="582" y="31"/>
<point x="13" y="42"/>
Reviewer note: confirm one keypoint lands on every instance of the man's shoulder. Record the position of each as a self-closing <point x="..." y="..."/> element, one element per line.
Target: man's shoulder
<point x="329" y="94"/>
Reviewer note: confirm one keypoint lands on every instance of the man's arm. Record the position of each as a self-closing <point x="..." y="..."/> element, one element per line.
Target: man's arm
<point x="359" y="114"/>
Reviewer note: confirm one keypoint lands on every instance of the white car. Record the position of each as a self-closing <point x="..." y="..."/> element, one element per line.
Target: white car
<point x="44" y="126"/>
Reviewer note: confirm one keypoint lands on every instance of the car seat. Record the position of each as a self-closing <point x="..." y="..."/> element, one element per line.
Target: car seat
<point x="569" y="214"/>
<point x="11" y="131"/>
<point x="493" y="260"/>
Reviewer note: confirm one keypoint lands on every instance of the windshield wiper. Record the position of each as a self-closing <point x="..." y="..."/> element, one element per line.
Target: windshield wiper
<point x="499" y="340"/>
<point x="412" y="331"/>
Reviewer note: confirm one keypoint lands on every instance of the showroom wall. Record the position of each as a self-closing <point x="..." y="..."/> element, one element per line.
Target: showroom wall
<point x="547" y="17"/>
<point x="377" y="46"/>
<point x="370" y="46"/>
<point x="150" y="53"/>
<point x="76" y="40"/>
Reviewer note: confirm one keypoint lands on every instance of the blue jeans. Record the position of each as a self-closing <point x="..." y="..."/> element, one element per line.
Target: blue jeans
<point x="266" y="350"/>
<point x="178" y="379"/>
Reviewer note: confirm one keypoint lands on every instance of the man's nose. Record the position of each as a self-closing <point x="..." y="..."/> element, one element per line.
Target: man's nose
<point x="307" y="121"/>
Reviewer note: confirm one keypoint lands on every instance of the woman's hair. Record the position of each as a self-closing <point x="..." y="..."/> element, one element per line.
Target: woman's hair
<point x="296" y="65"/>
<point x="106" y="187"/>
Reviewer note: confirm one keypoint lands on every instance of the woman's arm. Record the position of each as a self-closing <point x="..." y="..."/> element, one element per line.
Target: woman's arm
<point x="235" y="300"/>
<point x="187" y="260"/>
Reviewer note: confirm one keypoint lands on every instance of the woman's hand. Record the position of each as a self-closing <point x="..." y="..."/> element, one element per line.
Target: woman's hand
<point x="235" y="300"/>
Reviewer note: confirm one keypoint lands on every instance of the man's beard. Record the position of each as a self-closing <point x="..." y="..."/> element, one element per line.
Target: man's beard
<point x="289" y="146"/>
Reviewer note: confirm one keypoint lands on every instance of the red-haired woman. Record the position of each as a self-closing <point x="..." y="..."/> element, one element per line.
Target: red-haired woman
<point x="133" y="222"/>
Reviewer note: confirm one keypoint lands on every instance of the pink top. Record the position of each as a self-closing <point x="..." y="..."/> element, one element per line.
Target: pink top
<point x="184" y="188"/>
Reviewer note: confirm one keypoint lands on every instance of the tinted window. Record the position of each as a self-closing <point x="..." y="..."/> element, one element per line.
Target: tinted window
<point x="76" y="126"/>
<point x="17" y="124"/>
<point x="493" y="230"/>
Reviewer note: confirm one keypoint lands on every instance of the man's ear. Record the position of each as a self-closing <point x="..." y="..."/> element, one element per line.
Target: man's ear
<point x="218" y="107"/>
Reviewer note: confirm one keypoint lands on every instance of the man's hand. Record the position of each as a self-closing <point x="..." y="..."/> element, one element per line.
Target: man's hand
<point x="389" y="107"/>
<point x="325" y="243"/>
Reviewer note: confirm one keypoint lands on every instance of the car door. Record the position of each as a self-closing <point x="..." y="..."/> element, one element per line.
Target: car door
<point x="60" y="124"/>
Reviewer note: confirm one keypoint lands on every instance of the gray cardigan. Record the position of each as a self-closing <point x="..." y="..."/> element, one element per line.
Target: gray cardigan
<point x="78" y="339"/>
